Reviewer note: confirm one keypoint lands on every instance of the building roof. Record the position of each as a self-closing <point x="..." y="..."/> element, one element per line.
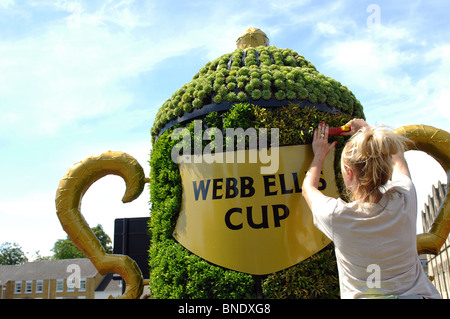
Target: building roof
<point x="54" y="269"/>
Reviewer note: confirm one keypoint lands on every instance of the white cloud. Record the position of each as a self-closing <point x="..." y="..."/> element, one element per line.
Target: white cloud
<point x="125" y="13"/>
<point x="438" y="80"/>
<point x="77" y="67"/>
<point x="6" y="3"/>
<point x="71" y="71"/>
<point x="326" y="28"/>
<point x="397" y="77"/>
<point x="371" y="58"/>
<point x="400" y="79"/>
<point x="31" y="222"/>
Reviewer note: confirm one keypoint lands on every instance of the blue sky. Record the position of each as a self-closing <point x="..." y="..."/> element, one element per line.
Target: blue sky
<point x="78" y="78"/>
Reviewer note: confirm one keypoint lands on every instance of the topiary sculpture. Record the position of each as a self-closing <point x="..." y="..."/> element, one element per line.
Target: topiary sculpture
<point x="264" y="244"/>
<point x="278" y="89"/>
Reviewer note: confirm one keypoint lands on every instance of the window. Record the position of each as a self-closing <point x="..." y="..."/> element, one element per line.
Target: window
<point x="82" y="284"/>
<point x="71" y="285"/>
<point x="59" y="285"/>
<point x="18" y="287"/>
<point x="28" y="286"/>
<point x="39" y="286"/>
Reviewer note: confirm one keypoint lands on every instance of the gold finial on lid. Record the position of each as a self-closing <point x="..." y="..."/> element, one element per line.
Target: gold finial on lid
<point x="252" y="38"/>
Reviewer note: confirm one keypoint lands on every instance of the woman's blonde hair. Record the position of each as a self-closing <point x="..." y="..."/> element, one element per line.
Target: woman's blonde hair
<point x="369" y="155"/>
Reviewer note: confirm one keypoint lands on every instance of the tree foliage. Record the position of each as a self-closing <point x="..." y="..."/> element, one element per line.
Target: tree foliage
<point x="66" y="249"/>
<point x="12" y="254"/>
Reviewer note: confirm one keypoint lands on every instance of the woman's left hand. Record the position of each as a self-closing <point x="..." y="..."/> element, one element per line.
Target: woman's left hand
<point x="321" y="148"/>
<point x="320" y="144"/>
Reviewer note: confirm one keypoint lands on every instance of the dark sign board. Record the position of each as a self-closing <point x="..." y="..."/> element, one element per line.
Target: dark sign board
<point x="131" y="238"/>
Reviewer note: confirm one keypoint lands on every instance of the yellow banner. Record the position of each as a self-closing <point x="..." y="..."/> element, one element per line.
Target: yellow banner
<point x="234" y="217"/>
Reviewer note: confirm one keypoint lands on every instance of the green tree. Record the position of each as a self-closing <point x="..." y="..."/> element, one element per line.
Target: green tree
<point x="66" y="249"/>
<point x="103" y="238"/>
<point x="38" y="256"/>
<point x="12" y="254"/>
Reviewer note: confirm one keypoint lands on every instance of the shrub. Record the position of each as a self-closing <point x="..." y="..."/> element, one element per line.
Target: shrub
<point x="242" y="97"/>
<point x="218" y="99"/>
<point x="266" y="94"/>
<point x="256" y="94"/>
<point x="177" y="273"/>
<point x="231" y="86"/>
<point x="315" y="278"/>
<point x="231" y="97"/>
<point x="278" y="69"/>
<point x="280" y="95"/>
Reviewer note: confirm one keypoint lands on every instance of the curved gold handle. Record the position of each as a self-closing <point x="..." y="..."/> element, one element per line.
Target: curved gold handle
<point x="68" y="201"/>
<point x="436" y="143"/>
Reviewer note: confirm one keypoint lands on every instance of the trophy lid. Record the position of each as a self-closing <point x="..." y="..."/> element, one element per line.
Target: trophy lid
<point x="259" y="74"/>
<point x="252" y="38"/>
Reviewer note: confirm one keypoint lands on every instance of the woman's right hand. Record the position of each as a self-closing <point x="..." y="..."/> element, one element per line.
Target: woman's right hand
<point x="355" y="126"/>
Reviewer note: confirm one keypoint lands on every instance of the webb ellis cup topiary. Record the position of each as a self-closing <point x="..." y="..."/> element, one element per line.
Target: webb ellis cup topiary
<point x="227" y="216"/>
<point x="256" y="86"/>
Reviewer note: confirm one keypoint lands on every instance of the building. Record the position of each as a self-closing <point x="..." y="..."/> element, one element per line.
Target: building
<point x="56" y="279"/>
<point x="438" y="266"/>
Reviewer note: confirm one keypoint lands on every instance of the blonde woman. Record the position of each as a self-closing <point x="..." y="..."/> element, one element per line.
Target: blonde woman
<point x="375" y="234"/>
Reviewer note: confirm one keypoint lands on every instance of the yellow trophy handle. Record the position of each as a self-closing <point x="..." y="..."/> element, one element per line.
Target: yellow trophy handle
<point x="436" y="143"/>
<point x="68" y="201"/>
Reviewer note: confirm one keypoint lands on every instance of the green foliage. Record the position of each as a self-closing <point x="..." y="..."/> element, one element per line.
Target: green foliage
<point x="177" y="273"/>
<point x="66" y="249"/>
<point x="240" y="115"/>
<point x="12" y="254"/>
<point x="315" y="278"/>
<point x="256" y="94"/>
<point x="174" y="271"/>
<point x="165" y="189"/>
<point x="104" y="239"/>
<point x="278" y="74"/>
